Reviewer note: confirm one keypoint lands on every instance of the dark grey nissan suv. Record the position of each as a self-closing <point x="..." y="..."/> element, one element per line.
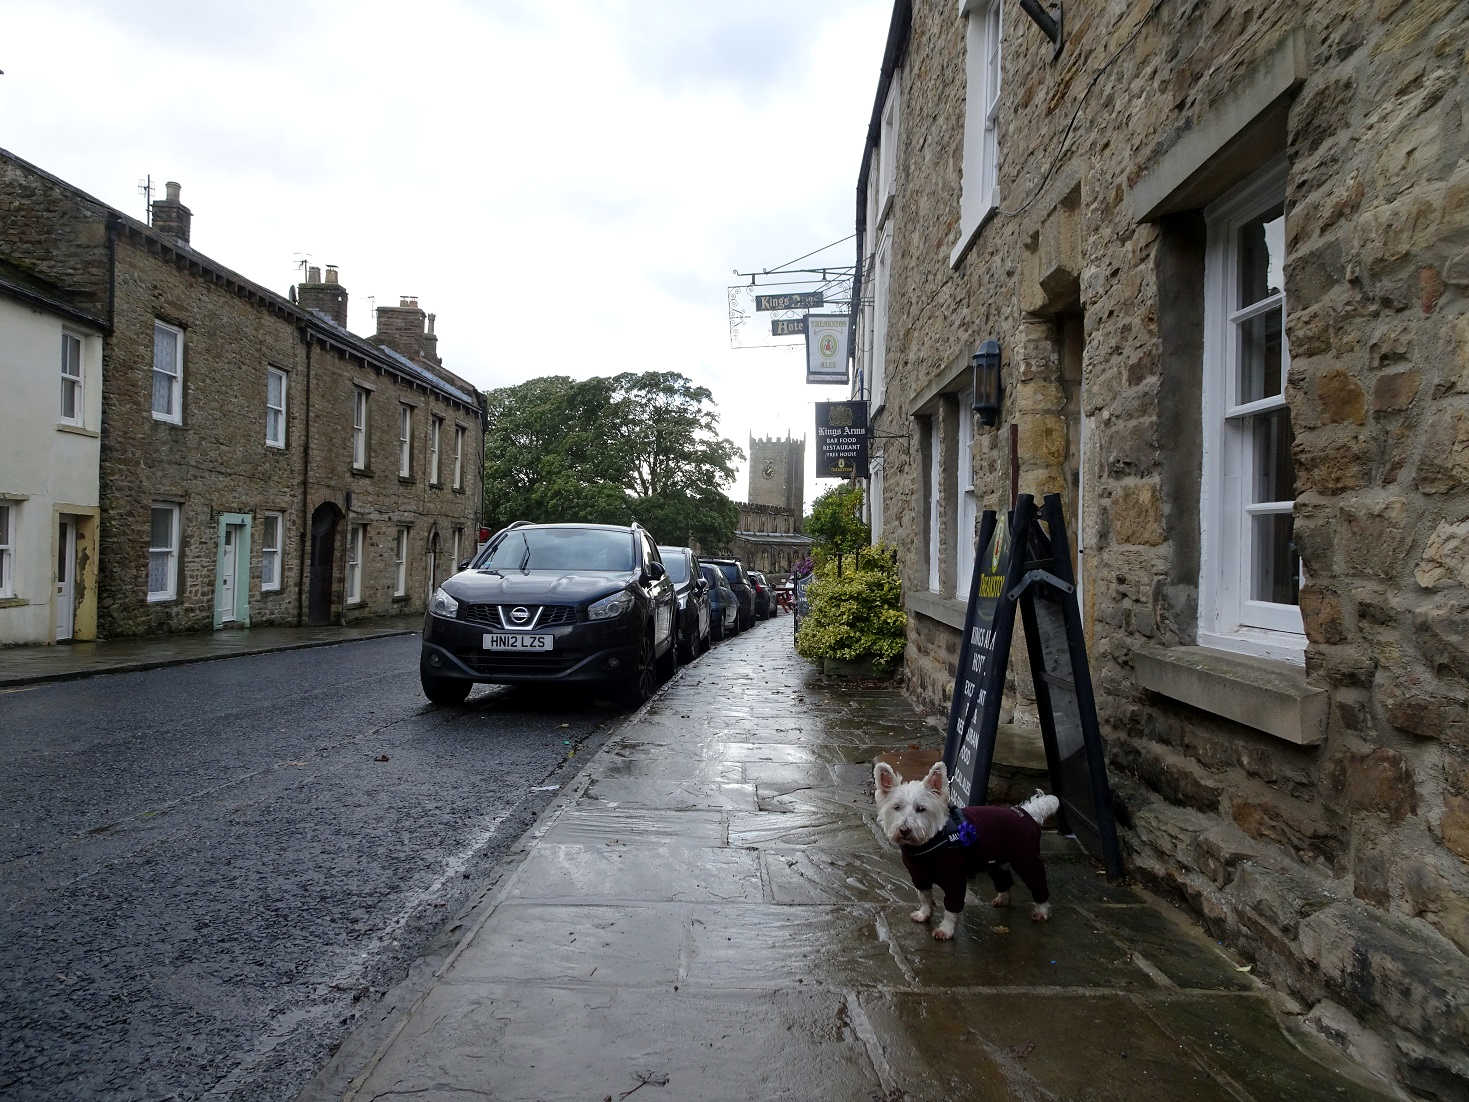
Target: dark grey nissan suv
<point x="575" y="603"/>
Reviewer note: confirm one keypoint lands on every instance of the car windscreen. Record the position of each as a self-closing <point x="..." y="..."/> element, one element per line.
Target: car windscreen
<point x="561" y="549"/>
<point x="712" y="573"/>
<point x="730" y="571"/>
<point x="677" y="567"/>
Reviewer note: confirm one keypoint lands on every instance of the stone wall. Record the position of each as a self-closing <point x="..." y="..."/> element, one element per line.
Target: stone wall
<point x="778" y="473"/>
<point x="1339" y="865"/>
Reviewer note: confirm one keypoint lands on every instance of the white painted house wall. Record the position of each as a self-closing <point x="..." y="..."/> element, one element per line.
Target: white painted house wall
<point x="47" y="467"/>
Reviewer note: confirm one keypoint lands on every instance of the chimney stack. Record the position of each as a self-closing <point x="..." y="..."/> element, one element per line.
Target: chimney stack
<point x="402" y="328"/>
<point x="170" y="217"/>
<point x="431" y="343"/>
<point x="329" y="298"/>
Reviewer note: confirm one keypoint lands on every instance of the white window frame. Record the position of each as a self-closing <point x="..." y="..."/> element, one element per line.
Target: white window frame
<point x="278" y="440"/>
<point x="966" y="503"/>
<point x="174" y="415"/>
<point x="72" y="384"/>
<point x="1229" y="619"/>
<point x="435" y="434"/>
<point x="458" y="457"/>
<point x="270" y="551"/>
<point x="171" y="550"/>
<point x="882" y="266"/>
<point x="978" y="191"/>
<point x="400" y="563"/>
<point x="8" y="515"/>
<point x="356" y="539"/>
<point x="359" y="428"/>
<point x="935" y="484"/>
<point x="887" y="155"/>
<point x="874" y="493"/>
<point x="405" y="440"/>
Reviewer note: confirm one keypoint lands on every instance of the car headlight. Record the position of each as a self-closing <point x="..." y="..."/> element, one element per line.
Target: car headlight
<point x="608" y="607"/>
<point x="443" y="605"/>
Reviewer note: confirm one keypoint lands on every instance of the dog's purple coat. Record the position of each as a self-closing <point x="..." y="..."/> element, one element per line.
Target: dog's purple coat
<point x="1005" y="835"/>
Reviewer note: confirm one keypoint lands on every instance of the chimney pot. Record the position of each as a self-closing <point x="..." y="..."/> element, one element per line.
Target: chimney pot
<point x="313" y="275"/>
<point x="170" y="217"/>
<point x="408" y="301"/>
<point x="431" y="324"/>
<point x="171" y="189"/>
<point x="331" y="273"/>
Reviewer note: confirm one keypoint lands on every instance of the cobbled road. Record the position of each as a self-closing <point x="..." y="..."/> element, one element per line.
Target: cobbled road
<point x="208" y="872"/>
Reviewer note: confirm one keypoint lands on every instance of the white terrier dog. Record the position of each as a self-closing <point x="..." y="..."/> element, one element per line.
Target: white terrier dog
<point x="943" y="847"/>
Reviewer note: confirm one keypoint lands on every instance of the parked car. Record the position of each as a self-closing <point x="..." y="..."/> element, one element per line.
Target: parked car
<point x="724" y="606"/>
<point x="764" y="596"/>
<point x="734" y="573"/>
<point x="692" y="590"/>
<point x="576" y="603"/>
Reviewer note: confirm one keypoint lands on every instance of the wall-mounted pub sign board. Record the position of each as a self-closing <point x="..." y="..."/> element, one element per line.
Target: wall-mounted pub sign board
<point x="799" y="300"/>
<point x="1023" y="562"/>
<point x="826" y="348"/>
<point x="841" y="439"/>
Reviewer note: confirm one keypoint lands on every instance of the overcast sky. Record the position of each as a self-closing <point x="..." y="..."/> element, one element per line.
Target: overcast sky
<point x="566" y="185"/>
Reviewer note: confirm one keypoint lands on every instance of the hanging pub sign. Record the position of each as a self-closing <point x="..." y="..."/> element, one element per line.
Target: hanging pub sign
<point x="799" y="300"/>
<point x="826" y="348"/>
<point x="841" y="439"/>
<point x="787" y="327"/>
<point x="1026" y="563"/>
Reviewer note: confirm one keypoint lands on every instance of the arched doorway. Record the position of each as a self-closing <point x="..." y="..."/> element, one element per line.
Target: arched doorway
<point x="433" y="563"/>
<point x="324" y="522"/>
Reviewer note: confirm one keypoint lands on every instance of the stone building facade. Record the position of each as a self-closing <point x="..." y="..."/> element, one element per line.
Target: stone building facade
<point x="1222" y="247"/>
<point x="778" y="472"/>
<point x="259" y="463"/>
<point x="768" y="538"/>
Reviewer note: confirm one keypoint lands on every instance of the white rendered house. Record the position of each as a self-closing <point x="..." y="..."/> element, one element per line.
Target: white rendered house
<point x="50" y="444"/>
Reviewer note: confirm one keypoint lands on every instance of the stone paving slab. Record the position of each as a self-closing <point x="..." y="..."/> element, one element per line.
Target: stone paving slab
<point x="547" y="1044"/>
<point x="603" y="873"/>
<point x="1032" y="1045"/>
<point x="716" y="906"/>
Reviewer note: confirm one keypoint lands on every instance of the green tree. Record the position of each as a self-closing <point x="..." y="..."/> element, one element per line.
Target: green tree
<point x="836" y="522"/>
<point x="638" y="446"/>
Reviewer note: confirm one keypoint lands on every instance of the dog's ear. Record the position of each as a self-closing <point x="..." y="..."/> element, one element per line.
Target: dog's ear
<point x="885" y="779"/>
<point x="937" y="780"/>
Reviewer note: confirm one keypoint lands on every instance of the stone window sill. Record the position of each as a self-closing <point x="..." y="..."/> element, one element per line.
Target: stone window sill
<point x="13" y="602"/>
<point x="356" y="604"/>
<point x="361" y="472"/>
<point x="406" y="480"/>
<point x="401" y="598"/>
<point x="946" y="610"/>
<point x="1269" y="696"/>
<point x="78" y="430"/>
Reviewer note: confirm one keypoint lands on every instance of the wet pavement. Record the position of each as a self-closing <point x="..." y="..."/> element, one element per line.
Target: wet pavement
<point x="710" y="913"/>
<point x="28" y="665"/>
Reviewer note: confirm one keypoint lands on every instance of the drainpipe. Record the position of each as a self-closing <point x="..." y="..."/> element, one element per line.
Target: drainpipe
<point x="305" y="538"/>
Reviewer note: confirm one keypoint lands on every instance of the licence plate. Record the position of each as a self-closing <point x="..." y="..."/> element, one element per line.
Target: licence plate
<point x="518" y="642"/>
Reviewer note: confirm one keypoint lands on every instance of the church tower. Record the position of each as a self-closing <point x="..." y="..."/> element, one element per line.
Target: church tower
<point x="778" y="473"/>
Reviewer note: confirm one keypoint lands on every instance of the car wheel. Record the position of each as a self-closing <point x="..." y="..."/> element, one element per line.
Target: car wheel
<point x="445" y="691"/>
<point x="644" y="678"/>
<point x="716" y="631"/>
<point x="704" y="642"/>
<point x="688" y="649"/>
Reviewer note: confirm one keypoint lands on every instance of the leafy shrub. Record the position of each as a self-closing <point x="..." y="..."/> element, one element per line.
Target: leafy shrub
<point x="857" y="615"/>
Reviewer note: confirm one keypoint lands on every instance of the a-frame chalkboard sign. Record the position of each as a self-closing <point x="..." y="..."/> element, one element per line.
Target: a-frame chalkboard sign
<point x="1026" y="563"/>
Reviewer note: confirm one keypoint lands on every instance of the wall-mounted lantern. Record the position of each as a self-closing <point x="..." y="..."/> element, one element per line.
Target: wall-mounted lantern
<point x="986" y="365"/>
